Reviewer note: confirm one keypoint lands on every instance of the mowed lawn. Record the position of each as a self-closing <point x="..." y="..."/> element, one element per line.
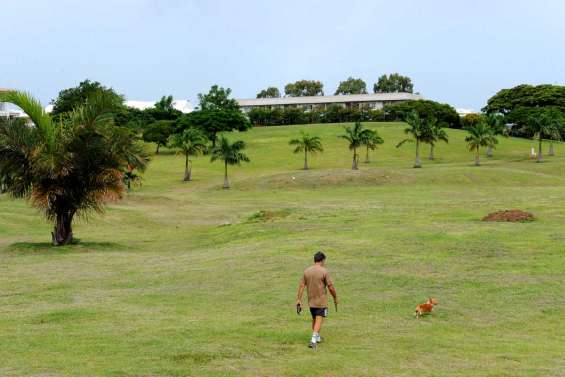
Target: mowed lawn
<point x="187" y="279"/>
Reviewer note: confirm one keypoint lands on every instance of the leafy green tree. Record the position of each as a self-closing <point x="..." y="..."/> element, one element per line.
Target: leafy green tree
<point x="304" y="88"/>
<point x="371" y="140"/>
<point x="270" y="92"/>
<point x="71" y="98"/>
<point x="393" y="83"/>
<point x="519" y="104"/>
<point x="230" y="154"/>
<point x="218" y="98"/>
<point x="352" y="86"/>
<point x="191" y="142"/>
<point x="158" y="133"/>
<point x="308" y="144"/>
<point x="213" y="122"/>
<point x="480" y="135"/>
<point x="545" y="124"/>
<point x="419" y="132"/>
<point x="437" y="133"/>
<point x="355" y="136"/>
<point x="68" y="167"/>
<point x="469" y="120"/>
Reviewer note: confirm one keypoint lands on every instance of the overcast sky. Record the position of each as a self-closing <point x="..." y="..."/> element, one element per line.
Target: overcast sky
<point x="459" y="52"/>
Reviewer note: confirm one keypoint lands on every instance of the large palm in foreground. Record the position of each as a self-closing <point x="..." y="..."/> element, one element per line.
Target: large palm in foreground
<point x="480" y="135"/>
<point x="355" y="136"/>
<point x="230" y="154"/>
<point x="419" y="132"/>
<point x="66" y="168"/>
<point x="308" y="144"/>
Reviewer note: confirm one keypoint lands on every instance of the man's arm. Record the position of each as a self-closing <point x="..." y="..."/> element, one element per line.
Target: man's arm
<point x="332" y="290"/>
<point x="300" y="292"/>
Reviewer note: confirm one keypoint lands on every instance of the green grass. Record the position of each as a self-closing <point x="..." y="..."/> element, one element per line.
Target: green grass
<point x="187" y="279"/>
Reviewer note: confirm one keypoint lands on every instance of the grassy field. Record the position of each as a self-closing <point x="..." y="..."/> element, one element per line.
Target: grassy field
<point x="187" y="279"/>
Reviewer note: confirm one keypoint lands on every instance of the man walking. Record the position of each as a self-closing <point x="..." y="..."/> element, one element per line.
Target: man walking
<point x="316" y="279"/>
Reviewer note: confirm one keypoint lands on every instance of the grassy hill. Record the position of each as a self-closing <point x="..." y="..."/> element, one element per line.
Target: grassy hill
<point x="187" y="279"/>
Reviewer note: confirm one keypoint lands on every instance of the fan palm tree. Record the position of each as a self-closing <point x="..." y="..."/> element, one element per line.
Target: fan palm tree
<point x="191" y="142"/>
<point x="230" y="154"/>
<point x="307" y="144"/>
<point x="437" y="133"/>
<point x="545" y="124"/>
<point x="355" y="136"/>
<point x="70" y="167"/>
<point x="371" y="140"/>
<point x="480" y="135"/>
<point x="496" y="122"/>
<point x="419" y="132"/>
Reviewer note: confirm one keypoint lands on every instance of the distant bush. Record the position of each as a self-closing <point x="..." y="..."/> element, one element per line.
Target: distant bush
<point x="333" y="114"/>
<point x="426" y="109"/>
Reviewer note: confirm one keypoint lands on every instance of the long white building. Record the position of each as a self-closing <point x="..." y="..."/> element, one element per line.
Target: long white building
<point x="372" y="101"/>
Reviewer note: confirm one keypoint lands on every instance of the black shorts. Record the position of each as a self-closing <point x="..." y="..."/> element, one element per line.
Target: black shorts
<point x="319" y="312"/>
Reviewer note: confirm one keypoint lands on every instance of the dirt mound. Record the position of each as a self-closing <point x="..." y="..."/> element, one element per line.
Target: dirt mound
<point x="510" y="215"/>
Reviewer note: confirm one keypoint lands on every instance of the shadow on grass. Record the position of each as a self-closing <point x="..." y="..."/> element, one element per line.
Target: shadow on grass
<point x="40" y="248"/>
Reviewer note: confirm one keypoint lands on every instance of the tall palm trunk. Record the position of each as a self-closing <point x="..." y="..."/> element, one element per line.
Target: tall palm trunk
<point x="305" y="159"/>
<point x="417" y="162"/>
<point x="551" y="150"/>
<point x="477" y="157"/>
<point x="432" y="157"/>
<point x="63" y="231"/>
<point x="367" y="160"/>
<point x="354" y="166"/>
<point x="489" y="151"/>
<point x="187" y="169"/>
<point x="226" y="181"/>
<point x="540" y="158"/>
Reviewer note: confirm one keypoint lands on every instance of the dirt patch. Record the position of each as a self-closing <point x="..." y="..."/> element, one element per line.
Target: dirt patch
<point x="268" y="215"/>
<point x="510" y="215"/>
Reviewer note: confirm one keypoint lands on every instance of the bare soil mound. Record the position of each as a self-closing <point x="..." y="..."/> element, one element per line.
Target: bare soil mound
<point x="510" y="215"/>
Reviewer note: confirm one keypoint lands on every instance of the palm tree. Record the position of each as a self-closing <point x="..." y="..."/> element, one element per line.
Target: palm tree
<point x="544" y="124"/>
<point x="69" y="167"/>
<point x="480" y="135"/>
<point x="437" y="133"/>
<point x="355" y="136"/>
<point x="230" y="154"/>
<point x="371" y="140"/>
<point x="191" y="142"/>
<point x="307" y="144"/>
<point x="496" y="122"/>
<point x="419" y="132"/>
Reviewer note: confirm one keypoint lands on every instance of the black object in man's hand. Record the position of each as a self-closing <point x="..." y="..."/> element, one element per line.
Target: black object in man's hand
<point x="298" y="308"/>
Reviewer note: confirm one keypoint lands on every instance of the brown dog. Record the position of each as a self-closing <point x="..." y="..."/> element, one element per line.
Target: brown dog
<point x="426" y="308"/>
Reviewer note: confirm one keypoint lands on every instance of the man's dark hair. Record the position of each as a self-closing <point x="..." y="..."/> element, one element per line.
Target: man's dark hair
<point x="319" y="256"/>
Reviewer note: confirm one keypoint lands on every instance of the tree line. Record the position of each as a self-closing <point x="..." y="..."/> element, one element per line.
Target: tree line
<point x="391" y="83"/>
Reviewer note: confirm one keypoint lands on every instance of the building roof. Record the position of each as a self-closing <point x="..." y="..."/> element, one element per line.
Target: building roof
<point x="376" y="97"/>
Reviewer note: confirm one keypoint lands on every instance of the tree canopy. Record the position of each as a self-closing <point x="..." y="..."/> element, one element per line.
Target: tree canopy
<point x="393" y="83"/>
<point x="71" y="98"/>
<point x="303" y="88"/>
<point x="352" y="86"/>
<point x="158" y="132"/>
<point x="217" y="98"/>
<point x="270" y="92"/>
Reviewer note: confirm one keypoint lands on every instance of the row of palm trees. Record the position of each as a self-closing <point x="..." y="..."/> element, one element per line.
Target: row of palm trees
<point x="482" y="134"/>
